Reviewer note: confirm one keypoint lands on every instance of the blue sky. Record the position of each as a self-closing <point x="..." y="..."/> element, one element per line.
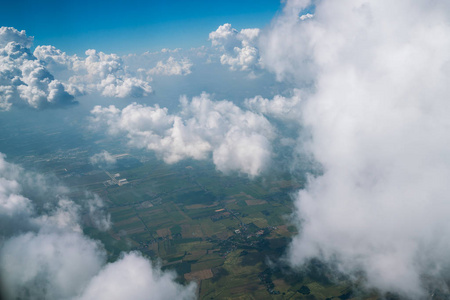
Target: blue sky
<point x="131" y="26"/>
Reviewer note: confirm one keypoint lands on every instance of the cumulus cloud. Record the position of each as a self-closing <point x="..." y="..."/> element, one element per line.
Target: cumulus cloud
<point x="106" y="73"/>
<point x="54" y="57"/>
<point x="237" y="140"/>
<point x="12" y="203"/>
<point x="24" y="80"/>
<point x="103" y="159"/>
<point x="46" y="255"/>
<point x="172" y="67"/>
<point x="10" y="34"/>
<point x="97" y="72"/>
<point x="239" y="47"/>
<point x="378" y="116"/>
<point x="280" y="107"/>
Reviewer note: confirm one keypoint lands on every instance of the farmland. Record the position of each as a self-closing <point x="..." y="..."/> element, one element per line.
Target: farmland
<point x="215" y="229"/>
<point x="226" y="232"/>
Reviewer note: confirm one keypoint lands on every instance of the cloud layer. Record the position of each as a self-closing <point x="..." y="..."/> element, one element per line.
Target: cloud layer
<point x="378" y="116"/>
<point x="44" y="254"/>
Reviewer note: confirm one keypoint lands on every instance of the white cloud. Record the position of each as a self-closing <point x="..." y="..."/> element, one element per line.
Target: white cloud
<point x="98" y="72"/>
<point x="24" y="80"/>
<point x="243" y="58"/>
<point x="247" y="152"/>
<point x="287" y="47"/>
<point x="378" y="117"/>
<point x="102" y="159"/>
<point x="134" y="277"/>
<point x="306" y="16"/>
<point x="46" y="255"/>
<point x="280" y="107"/>
<point x="238" y="140"/>
<point x="10" y="34"/>
<point x="96" y="213"/>
<point x="48" y="265"/>
<point x="54" y="58"/>
<point x="112" y="86"/>
<point x="172" y="67"/>
<point x="107" y="74"/>
<point x="164" y="50"/>
<point x="43" y="255"/>
<point x="11" y="202"/>
<point x="239" y="48"/>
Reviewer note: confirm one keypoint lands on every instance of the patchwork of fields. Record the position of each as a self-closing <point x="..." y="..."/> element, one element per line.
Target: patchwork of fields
<point x="220" y="231"/>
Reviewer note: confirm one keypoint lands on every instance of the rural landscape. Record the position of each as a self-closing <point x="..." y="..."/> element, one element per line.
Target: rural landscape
<point x="227" y="233"/>
<point x="161" y="150"/>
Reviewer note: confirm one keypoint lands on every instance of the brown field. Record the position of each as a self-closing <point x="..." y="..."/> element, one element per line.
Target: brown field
<point x="198" y="206"/>
<point x="199" y="275"/>
<point x="281" y="230"/>
<point x="280" y="284"/>
<point x="230" y="201"/>
<point x="255" y="202"/>
<point x="223" y="235"/>
<point x="163" y="232"/>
